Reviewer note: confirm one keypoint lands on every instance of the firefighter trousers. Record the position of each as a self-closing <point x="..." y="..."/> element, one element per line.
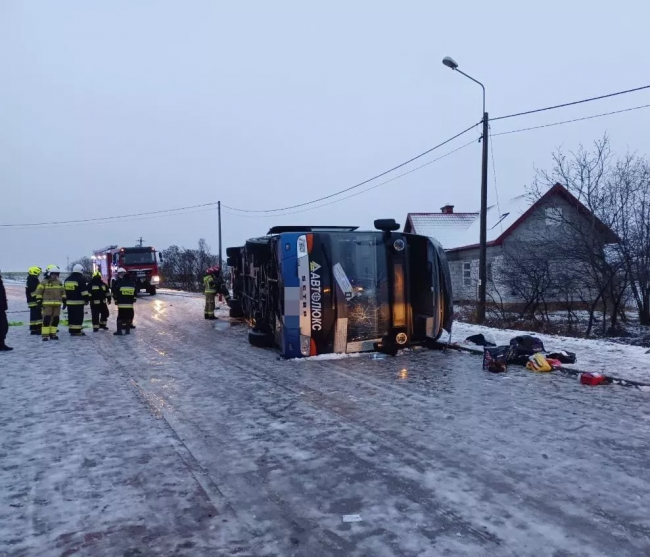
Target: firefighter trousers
<point x="125" y="319"/>
<point x="99" y="314"/>
<point x="50" y="320"/>
<point x="209" y="303"/>
<point x="75" y="318"/>
<point x="35" y="318"/>
<point x="4" y="326"/>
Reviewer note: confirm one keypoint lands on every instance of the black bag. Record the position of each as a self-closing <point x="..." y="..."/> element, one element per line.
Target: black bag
<point x="495" y="359"/>
<point x="564" y="356"/>
<point x="522" y="347"/>
<point x="479" y="339"/>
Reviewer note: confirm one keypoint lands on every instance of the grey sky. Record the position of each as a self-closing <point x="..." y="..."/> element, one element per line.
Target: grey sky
<point x="119" y="107"/>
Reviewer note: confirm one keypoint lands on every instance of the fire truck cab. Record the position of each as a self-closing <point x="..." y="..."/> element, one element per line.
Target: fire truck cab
<point x="140" y="263"/>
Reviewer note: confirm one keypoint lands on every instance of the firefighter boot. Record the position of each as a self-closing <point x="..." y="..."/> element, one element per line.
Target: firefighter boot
<point x="127" y="329"/>
<point x="118" y="333"/>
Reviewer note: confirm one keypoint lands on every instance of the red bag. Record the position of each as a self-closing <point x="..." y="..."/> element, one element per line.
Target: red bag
<point x="592" y="378"/>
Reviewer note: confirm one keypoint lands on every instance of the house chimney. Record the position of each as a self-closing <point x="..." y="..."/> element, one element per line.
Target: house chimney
<point x="447" y="209"/>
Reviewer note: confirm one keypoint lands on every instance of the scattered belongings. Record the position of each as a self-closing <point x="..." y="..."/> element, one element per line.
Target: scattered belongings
<point x="555" y="364"/>
<point x="592" y="379"/>
<point x="495" y="359"/>
<point x="522" y="347"/>
<point x="479" y="340"/>
<point x="537" y="362"/>
<point x="564" y="356"/>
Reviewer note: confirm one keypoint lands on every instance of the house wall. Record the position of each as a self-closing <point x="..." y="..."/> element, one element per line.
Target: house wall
<point x="534" y="231"/>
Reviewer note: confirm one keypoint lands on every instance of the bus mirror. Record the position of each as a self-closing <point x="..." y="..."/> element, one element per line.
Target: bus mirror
<point x="160" y="256"/>
<point x="386" y="225"/>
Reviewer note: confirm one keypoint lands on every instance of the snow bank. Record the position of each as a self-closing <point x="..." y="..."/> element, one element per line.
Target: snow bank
<point x="625" y="362"/>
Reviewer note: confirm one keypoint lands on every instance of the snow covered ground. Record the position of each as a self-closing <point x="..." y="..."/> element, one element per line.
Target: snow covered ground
<point x="183" y="440"/>
<point x="611" y="358"/>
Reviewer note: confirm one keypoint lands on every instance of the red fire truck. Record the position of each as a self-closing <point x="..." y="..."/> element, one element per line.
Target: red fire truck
<point x="139" y="262"/>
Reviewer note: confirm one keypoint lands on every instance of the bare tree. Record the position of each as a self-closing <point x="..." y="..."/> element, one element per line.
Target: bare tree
<point x="85" y="262"/>
<point x="184" y="268"/>
<point x="583" y="235"/>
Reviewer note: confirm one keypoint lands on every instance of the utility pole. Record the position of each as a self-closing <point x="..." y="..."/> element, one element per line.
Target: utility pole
<point x="219" y="218"/>
<point x="482" y="258"/>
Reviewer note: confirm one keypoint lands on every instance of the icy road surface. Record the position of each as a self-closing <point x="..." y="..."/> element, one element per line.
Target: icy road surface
<point x="183" y="440"/>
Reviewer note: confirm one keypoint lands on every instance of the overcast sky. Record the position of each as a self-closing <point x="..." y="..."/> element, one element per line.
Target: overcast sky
<point x="112" y="108"/>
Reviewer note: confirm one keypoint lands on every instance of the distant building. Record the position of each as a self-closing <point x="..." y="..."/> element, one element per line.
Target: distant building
<point x="519" y="221"/>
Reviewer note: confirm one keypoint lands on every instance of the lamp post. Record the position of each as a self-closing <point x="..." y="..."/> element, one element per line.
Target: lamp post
<point x="482" y="261"/>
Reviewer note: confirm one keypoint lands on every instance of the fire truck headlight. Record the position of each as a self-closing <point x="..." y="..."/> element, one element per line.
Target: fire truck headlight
<point x="155" y="279"/>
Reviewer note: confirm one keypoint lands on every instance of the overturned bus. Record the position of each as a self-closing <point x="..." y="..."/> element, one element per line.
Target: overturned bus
<point x="310" y="290"/>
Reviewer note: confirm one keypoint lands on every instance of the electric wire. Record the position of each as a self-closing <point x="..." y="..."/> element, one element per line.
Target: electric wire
<point x="356" y="185"/>
<point x="212" y="204"/>
<point x="571" y="121"/>
<point x="570" y="103"/>
<point x="375" y="186"/>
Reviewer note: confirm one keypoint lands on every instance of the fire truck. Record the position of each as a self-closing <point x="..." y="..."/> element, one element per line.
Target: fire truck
<point x="140" y="263"/>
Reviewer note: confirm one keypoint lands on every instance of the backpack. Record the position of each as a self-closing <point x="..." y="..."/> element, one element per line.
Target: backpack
<point x="495" y="359"/>
<point x="522" y="347"/>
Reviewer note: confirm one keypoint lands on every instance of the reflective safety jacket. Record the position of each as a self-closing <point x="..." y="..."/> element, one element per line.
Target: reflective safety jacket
<point x="99" y="292"/>
<point x="209" y="285"/>
<point x="124" y="293"/>
<point x="76" y="290"/>
<point x="30" y="290"/>
<point x="50" y="292"/>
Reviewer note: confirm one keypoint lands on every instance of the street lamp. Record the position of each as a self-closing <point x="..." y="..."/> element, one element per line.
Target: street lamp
<point x="482" y="261"/>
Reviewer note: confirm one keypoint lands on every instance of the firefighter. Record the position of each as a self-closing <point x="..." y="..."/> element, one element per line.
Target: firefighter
<point x="35" y="317"/>
<point x="50" y="296"/>
<point x="4" y="323"/>
<point x="100" y="296"/>
<point x="125" y="298"/>
<point x="76" y="291"/>
<point x="210" y="291"/>
<point x="220" y="283"/>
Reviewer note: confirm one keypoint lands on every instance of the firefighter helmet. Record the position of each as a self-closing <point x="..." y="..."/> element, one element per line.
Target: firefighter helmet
<point x="53" y="269"/>
<point x="121" y="271"/>
<point x="35" y="271"/>
<point x="77" y="268"/>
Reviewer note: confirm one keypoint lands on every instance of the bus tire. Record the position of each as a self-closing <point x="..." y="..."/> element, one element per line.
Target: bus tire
<point x="260" y="339"/>
<point x="235" y="308"/>
<point x="152" y="291"/>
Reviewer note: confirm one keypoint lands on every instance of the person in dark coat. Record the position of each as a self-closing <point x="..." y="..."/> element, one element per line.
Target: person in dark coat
<point x="4" y="324"/>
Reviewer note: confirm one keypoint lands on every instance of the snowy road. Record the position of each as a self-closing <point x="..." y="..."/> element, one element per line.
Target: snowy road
<point x="183" y="440"/>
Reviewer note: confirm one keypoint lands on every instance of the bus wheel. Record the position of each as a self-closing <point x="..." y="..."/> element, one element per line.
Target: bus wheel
<point x="260" y="339"/>
<point x="152" y="291"/>
<point x="235" y="309"/>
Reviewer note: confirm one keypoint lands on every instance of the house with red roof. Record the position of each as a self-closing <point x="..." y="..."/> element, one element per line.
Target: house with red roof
<point x="519" y="221"/>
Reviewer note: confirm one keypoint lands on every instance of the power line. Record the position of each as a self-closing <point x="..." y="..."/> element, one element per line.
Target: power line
<point x="304" y="210"/>
<point x="214" y="203"/>
<point x="571" y="121"/>
<point x="356" y="185"/>
<point x="571" y="103"/>
<point x="79" y="221"/>
<point x="494" y="173"/>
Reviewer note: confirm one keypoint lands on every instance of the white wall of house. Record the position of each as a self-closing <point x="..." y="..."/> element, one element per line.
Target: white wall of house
<point x="539" y="227"/>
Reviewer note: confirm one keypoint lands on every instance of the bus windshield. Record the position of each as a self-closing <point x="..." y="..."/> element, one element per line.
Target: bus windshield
<point x="360" y="269"/>
<point x="138" y="257"/>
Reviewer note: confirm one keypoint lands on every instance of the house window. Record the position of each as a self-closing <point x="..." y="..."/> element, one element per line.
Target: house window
<point x="553" y="216"/>
<point x="467" y="273"/>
